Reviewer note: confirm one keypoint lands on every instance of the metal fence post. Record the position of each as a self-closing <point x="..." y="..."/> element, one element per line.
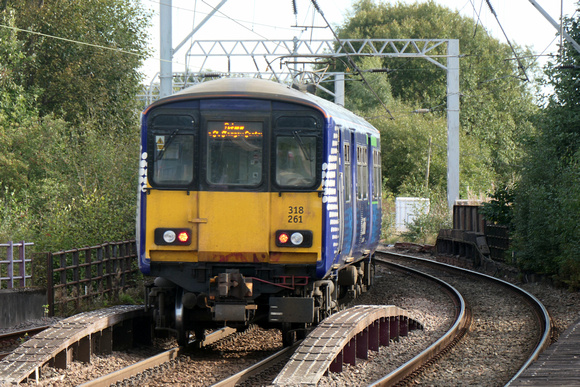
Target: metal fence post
<point x="22" y="264"/>
<point x="50" y="284"/>
<point x="10" y="258"/>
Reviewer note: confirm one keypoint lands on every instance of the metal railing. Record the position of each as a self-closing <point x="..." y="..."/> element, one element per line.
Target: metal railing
<point x="15" y="271"/>
<point x="81" y="279"/>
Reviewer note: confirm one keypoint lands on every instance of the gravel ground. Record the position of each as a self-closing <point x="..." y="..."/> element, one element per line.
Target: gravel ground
<point x="502" y="335"/>
<point x="562" y="305"/>
<point x="431" y="307"/>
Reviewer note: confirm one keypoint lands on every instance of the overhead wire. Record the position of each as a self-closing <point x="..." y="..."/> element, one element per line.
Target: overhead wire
<point x="234" y="20"/>
<point x="478" y="16"/>
<point x="116" y="49"/>
<point x="227" y="17"/>
<point x="508" y="40"/>
<point x="93" y="45"/>
<point x="350" y="60"/>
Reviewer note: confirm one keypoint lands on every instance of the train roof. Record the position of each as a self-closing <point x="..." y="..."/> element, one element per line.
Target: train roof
<point x="264" y="89"/>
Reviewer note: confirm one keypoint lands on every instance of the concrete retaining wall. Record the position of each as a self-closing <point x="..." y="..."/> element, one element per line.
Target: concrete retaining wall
<point x="19" y="305"/>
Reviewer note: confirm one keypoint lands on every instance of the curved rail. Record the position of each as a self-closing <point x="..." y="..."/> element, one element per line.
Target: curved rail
<point x="258" y="367"/>
<point x="154" y="361"/>
<point x="539" y="309"/>
<point x="447" y="341"/>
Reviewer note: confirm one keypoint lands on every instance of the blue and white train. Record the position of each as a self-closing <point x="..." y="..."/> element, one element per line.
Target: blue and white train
<point x="258" y="204"/>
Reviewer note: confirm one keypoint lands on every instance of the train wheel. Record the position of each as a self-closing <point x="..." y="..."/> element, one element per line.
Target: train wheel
<point x="182" y="333"/>
<point x="302" y="332"/>
<point x="288" y="335"/>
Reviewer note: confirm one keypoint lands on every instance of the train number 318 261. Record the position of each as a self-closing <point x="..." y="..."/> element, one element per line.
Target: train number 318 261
<point x="295" y="214"/>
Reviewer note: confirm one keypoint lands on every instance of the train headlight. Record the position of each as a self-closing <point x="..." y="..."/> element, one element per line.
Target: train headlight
<point x="169" y="236"/>
<point x="172" y="236"/>
<point x="297" y="238"/>
<point x="294" y="238"/>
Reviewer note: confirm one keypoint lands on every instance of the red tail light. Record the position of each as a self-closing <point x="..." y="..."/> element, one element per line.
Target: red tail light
<point x="283" y="238"/>
<point x="183" y="237"/>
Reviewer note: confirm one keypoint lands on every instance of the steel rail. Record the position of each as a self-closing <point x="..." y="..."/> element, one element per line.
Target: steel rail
<point x="134" y="369"/>
<point x="257" y="368"/>
<point x="461" y="323"/>
<point x="443" y="344"/>
<point x="539" y="309"/>
<point x="154" y="361"/>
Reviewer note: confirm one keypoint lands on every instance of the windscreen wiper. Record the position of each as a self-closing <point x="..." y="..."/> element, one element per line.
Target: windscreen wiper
<point x="167" y="143"/>
<point x="305" y="151"/>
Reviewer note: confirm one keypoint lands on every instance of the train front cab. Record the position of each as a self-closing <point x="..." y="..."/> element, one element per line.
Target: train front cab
<point x="231" y="212"/>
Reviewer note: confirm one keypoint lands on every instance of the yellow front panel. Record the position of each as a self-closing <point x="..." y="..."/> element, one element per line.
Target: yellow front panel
<point x="171" y="209"/>
<point x="234" y="226"/>
<point x="237" y="228"/>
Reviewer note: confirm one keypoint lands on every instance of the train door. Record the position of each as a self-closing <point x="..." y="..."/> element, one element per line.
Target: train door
<point x="376" y="189"/>
<point x="346" y="192"/>
<point x="362" y="208"/>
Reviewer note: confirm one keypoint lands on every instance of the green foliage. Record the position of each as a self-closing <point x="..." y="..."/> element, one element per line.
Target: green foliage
<point x="68" y="122"/>
<point x="388" y="216"/>
<point x="496" y="104"/>
<point x="405" y="150"/>
<point x="89" y="197"/>
<point x="82" y="82"/>
<point x="499" y="209"/>
<point x="547" y="199"/>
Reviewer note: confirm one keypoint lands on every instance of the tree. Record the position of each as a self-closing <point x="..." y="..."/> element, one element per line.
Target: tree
<point x="496" y="104"/>
<point x="68" y="122"/>
<point x="547" y="199"/>
<point x="84" y="56"/>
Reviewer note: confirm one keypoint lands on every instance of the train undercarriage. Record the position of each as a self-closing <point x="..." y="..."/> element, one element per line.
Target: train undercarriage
<point x="288" y="298"/>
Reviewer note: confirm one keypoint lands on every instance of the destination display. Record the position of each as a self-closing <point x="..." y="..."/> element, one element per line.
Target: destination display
<point x="231" y="129"/>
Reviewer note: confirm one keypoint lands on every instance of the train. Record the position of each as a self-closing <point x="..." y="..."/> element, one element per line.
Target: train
<point x="259" y="204"/>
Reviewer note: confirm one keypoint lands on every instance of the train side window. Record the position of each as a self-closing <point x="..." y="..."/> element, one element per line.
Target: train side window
<point x="362" y="173"/>
<point x="234" y="153"/>
<point x="347" y="172"/>
<point x="377" y="175"/>
<point x="173" y="145"/>
<point x="295" y="160"/>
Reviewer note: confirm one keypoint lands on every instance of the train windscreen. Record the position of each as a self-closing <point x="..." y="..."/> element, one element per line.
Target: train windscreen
<point x="173" y="150"/>
<point x="295" y="160"/>
<point x="234" y="153"/>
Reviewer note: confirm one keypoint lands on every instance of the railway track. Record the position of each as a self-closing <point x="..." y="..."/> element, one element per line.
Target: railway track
<point x="149" y="365"/>
<point x="258" y="374"/>
<point x="442" y="345"/>
<point x="510" y="327"/>
<point x="264" y="372"/>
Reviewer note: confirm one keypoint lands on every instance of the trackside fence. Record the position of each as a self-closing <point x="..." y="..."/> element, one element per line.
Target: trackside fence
<point x="14" y="272"/>
<point x="81" y="279"/>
